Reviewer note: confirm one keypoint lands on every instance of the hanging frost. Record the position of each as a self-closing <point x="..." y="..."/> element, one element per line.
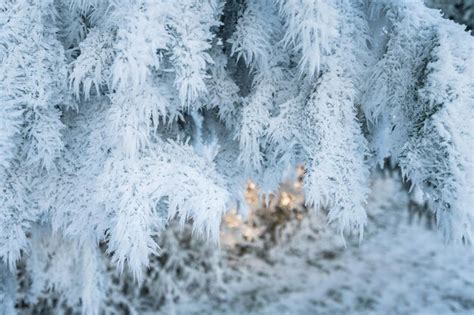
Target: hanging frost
<point x="309" y="30"/>
<point x="419" y="109"/>
<point x="118" y="117"/>
<point x="439" y="155"/>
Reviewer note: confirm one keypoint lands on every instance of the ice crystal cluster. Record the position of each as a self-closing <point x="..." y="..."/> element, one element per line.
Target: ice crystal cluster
<point x="117" y="116"/>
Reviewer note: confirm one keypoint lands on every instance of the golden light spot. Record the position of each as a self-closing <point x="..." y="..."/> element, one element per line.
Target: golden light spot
<point x="285" y="199"/>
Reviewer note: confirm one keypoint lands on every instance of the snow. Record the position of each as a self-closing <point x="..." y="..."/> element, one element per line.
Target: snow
<point x="396" y="271"/>
<point x="401" y="267"/>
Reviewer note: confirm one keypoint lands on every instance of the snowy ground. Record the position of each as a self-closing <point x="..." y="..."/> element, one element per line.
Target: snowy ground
<point x="400" y="268"/>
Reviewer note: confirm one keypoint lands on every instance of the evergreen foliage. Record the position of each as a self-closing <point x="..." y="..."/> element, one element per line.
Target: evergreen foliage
<point x="119" y="116"/>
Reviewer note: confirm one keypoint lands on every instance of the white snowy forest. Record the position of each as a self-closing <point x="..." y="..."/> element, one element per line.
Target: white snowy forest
<point x="236" y="157"/>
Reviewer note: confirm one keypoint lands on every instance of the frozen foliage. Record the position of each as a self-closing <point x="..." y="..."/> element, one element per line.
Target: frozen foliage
<point x="118" y="116"/>
<point x="424" y="123"/>
<point x="187" y="268"/>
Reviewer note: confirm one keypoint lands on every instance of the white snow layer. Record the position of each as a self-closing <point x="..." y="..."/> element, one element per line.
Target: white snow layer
<point x="401" y="267"/>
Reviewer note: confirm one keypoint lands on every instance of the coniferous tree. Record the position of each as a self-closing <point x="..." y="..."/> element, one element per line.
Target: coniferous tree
<point x="117" y="116"/>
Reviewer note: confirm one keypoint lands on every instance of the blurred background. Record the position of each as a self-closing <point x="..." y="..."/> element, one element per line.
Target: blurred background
<point x="460" y="11"/>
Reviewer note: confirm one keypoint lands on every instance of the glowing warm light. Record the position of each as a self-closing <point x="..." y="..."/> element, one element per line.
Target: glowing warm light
<point x="232" y="219"/>
<point x="249" y="233"/>
<point x="285" y="199"/>
<point x="263" y="217"/>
